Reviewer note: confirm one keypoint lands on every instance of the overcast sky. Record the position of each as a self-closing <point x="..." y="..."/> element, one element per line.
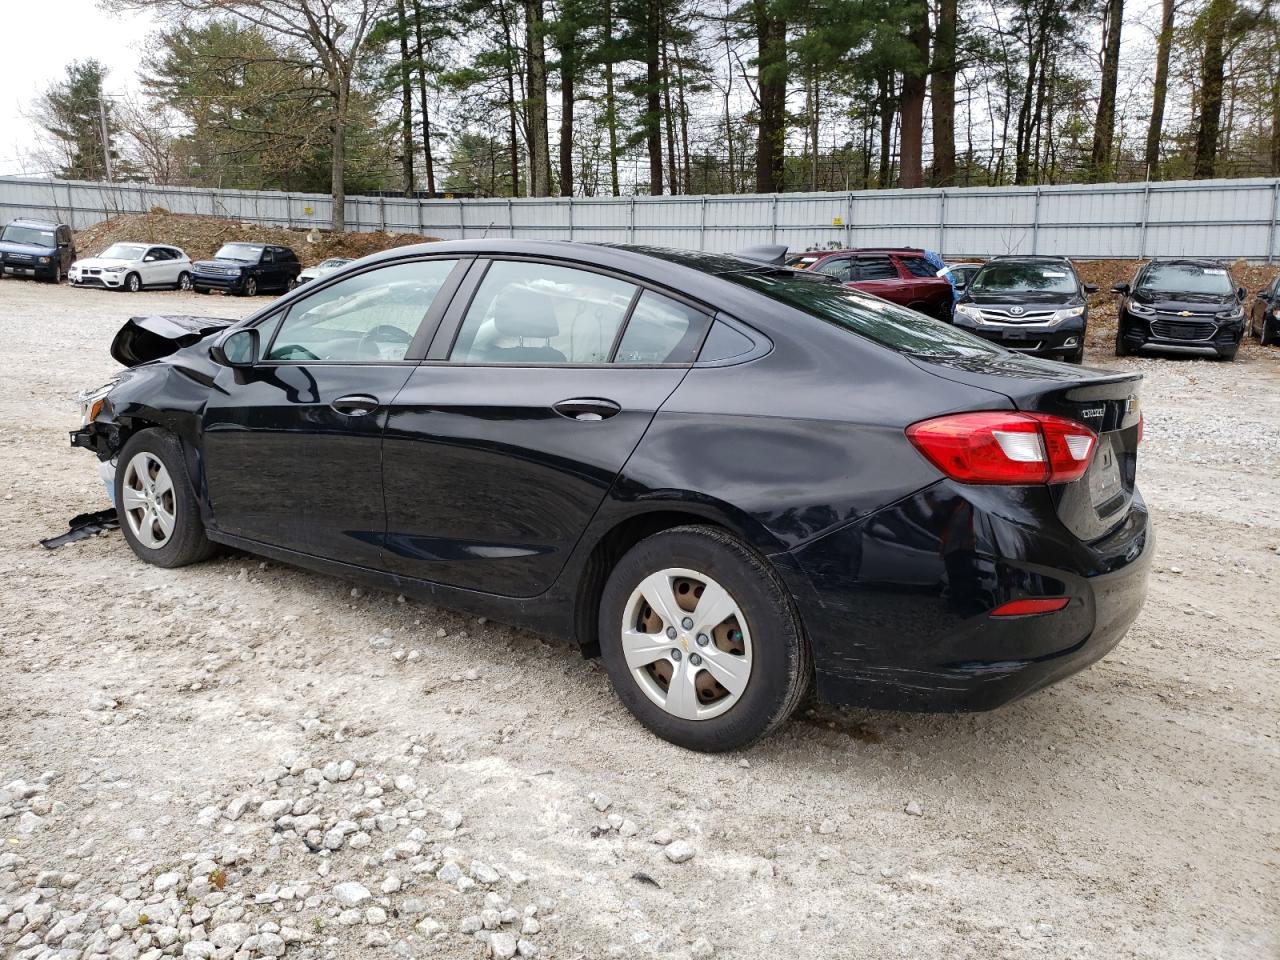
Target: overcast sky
<point x="39" y="40"/>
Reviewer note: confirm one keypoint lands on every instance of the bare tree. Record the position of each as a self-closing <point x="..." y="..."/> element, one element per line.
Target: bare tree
<point x="334" y="31"/>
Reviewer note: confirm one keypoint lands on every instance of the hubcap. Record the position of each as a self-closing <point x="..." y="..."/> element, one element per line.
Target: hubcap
<point x="148" y="499"/>
<point x="184" y="282"/>
<point x="700" y="615"/>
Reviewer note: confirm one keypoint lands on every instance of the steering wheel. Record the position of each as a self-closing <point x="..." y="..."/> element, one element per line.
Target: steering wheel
<point x="383" y="333"/>
<point x="293" y="351"/>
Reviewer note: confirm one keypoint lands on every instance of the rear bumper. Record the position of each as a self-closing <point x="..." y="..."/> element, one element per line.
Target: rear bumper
<point x="1040" y="339"/>
<point x="897" y="606"/>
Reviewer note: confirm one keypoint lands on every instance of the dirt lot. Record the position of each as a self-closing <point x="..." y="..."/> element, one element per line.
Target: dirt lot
<point x="179" y="738"/>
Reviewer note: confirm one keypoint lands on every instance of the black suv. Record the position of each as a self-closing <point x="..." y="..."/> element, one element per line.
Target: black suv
<point x="36" y="248"/>
<point x="1264" y="314"/>
<point x="1181" y="306"/>
<point x="1031" y="304"/>
<point x="246" y="269"/>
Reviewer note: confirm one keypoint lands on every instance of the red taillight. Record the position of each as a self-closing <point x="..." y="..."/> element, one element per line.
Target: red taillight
<point x="1029" y="608"/>
<point x="1005" y="447"/>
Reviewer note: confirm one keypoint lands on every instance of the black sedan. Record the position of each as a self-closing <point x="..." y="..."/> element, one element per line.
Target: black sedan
<point x="1181" y="306"/>
<point x="728" y="478"/>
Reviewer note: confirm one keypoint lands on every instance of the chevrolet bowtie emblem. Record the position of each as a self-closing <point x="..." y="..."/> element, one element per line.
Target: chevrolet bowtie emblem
<point x="1184" y="313"/>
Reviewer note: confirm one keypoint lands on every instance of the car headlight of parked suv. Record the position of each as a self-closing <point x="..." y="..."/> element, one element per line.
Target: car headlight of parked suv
<point x="970" y="311"/>
<point x="1067" y="313"/>
<point x="1235" y="313"/>
<point x="1139" y="309"/>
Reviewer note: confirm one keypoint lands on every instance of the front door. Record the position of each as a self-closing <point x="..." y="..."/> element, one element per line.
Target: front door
<point x="499" y="451"/>
<point x="292" y="445"/>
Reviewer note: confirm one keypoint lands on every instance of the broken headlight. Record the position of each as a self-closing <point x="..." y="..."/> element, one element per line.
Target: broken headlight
<point x="91" y="401"/>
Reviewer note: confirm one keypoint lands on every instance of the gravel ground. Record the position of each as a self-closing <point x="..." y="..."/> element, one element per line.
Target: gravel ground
<point x="240" y="759"/>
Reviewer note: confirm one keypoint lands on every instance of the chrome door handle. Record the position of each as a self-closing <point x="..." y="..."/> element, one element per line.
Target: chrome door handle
<point x="587" y="409"/>
<point x="355" y="405"/>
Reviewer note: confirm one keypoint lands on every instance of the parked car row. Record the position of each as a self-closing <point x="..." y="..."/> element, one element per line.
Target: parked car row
<point x="1039" y="304"/>
<point x="44" y="250"/>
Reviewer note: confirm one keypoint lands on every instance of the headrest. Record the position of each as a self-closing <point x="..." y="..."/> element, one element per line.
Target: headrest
<point x="520" y="312"/>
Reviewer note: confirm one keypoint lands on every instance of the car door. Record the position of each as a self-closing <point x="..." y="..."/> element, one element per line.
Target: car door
<point x="292" y="445"/>
<point x="505" y="441"/>
<point x="1267" y="296"/>
<point x="151" y="268"/>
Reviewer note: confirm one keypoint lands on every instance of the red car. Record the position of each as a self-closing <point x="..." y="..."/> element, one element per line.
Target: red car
<point x="898" y="275"/>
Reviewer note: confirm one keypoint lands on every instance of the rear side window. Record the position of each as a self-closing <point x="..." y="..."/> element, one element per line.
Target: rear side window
<point x="919" y="267"/>
<point x="884" y="323"/>
<point x="840" y="268"/>
<point x="876" y="268"/>
<point x="535" y="313"/>
<point x="661" y="330"/>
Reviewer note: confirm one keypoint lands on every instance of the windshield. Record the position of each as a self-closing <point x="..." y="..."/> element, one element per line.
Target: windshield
<point x="1183" y="278"/>
<point x="239" y="251"/>
<point x="887" y="324"/>
<point x="1013" y="277"/>
<point x="32" y="235"/>
<point x="123" y="251"/>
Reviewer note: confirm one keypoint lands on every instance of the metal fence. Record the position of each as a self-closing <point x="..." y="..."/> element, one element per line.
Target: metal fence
<point x="1209" y="218"/>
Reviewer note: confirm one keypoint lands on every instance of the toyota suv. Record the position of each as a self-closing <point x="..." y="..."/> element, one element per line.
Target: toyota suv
<point x="1031" y="304"/>
<point x="36" y="248"/>
<point x="1181" y="306"/>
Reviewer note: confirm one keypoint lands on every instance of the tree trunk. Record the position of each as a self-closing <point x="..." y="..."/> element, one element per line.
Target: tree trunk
<point x="771" y="33"/>
<point x="568" y="76"/>
<point x="423" y="106"/>
<point x="813" y="132"/>
<point x="1215" y="16"/>
<point x="406" y="102"/>
<point x="886" y="129"/>
<point x="911" y="157"/>
<point x="682" y="108"/>
<point x="513" y="141"/>
<point x="539" y="145"/>
<point x="1026" y="117"/>
<point x="1104" y="126"/>
<point x="653" y="95"/>
<point x="673" y="168"/>
<point x="610" y="102"/>
<point x="943" y="95"/>
<point x="1155" y="128"/>
<point x="1273" y="61"/>
<point x="338" y="187"/>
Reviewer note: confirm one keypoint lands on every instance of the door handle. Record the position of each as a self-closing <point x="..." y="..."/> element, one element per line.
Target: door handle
<point x="587" y="409"/>
<point x="355" y="405"/>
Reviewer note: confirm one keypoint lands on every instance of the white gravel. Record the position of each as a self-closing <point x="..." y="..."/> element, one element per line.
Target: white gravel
<point x="230" y="761"/>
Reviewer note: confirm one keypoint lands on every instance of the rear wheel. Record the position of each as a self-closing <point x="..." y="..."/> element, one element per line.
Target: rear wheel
<point x="158" y="512"/>
<point x="701" y="640"/>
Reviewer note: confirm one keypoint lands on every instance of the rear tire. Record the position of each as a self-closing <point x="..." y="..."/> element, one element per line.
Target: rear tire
<point x="158" y="512"/>
<point x="765" y="651"/>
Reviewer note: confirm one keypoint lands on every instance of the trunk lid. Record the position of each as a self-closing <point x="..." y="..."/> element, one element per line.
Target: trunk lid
<point x="1108" y="403"/>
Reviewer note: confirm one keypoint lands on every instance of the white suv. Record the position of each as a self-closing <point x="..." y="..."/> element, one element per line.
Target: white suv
<point x="133" y="267"/>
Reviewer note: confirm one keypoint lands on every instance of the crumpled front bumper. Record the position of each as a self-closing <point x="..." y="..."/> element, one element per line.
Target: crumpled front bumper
<point x="101" y="438"/>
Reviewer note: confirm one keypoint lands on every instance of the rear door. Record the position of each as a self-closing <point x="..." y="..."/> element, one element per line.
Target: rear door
<point x="504" y="442"/>
<point x="292" y="445"/>
<point x="877" y="273"/>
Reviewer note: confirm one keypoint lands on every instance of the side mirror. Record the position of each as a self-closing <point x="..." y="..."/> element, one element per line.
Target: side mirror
<point x="1122" y="288"/>
<point x="1241" y="293"/>
<point x="236" y="349"/>
<point x="1090" y="288"/>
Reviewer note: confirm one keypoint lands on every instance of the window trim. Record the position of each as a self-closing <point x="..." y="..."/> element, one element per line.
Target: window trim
<point x="427" y="326"/>
<point x="446" y="337"/>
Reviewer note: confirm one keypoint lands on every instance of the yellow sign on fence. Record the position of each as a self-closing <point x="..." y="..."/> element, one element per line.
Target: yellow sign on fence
<point x="837" y="221"/>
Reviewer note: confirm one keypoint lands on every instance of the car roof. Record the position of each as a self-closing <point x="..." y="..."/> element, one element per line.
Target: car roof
<point x="1189" y="261"/>
<point x="1029" y="258"/>
<point x="902" y="251"/>
<point x="33" y="222"/>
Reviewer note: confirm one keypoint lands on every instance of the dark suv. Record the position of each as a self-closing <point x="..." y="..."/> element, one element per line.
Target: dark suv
<point x="1181" y="306"/>
<point x="36" y="248"/>
<point x="1031" y="304"/>
<point x="246" y="269"/>
<point x="899" y="275"/>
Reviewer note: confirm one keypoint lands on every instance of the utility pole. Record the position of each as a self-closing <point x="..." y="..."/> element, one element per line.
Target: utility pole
<point x="106" y="142"/>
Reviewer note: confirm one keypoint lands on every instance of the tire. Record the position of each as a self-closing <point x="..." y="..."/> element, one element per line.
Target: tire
<point x="1122" y="348"/>
<point x="1077" y="357"/>
<point x="250" y="287"/>
<point x="132" y="283"/>
<point x="57" y="275"/>
<point x="201" y="289"/>
<point x="184" y="281"/>
<point x="184" y="541"/>
<point x="1265" y="338"/>
<point x="769" y="651"/>
<point x="1226" y="356"/>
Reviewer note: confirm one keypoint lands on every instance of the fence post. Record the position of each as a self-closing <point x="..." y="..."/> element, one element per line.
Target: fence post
<point x="1035" y="225"/>
<point x="702" y="225"/>
<point x="570" y="219"/>
<point x="773" y="219"/>
<point x="1275" y="216"/>
<point x="382" y="213"/>
<point x="1146" y="215"/>
<point x="848" y="223"/>
<point x="71" y="209"/>
<point x="942" y="222"/>
<point x="631" y="223"/>
<point x="462" y="223"/>
<point x="511" y="219"/>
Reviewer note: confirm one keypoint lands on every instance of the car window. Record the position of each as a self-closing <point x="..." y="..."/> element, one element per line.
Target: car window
<point x="841" y="268"/>
<point x="1012" y="276"/>
<point x="876" y="268"/>
<point x="268" y="256"/>
<point x="370" y="317"/>
<point x="724" y="343"/>
<point x="919" y="267"/>
<point x="527" y="312"/>
<point x="661" y="330"/>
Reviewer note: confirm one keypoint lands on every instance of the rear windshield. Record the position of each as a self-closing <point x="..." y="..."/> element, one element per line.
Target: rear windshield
<point x="1185" y="278"/>
<point x="1024" y="278"/>
<point x="887" y="324"/>
<point x="239" y="251"/>
<point x="14" y="233"/>
<point x="803" y="261"/>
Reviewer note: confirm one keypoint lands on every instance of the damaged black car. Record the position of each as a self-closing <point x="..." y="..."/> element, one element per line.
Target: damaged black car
<point x="729" y="479"/>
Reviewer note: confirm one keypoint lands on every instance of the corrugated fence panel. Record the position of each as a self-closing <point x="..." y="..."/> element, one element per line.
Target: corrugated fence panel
<point x="1219" y="218"/>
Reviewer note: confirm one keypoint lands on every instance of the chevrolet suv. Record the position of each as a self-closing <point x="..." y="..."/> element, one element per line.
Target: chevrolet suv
<point x="1030" y="304"/>
<point x="1181" y="306"/>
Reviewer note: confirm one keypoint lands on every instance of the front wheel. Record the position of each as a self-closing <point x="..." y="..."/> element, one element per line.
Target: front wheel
<point x="1122" y="348"/>
<point x="157" y="509"/>
<point x="251" y="287"/>
<point x="133" y="283"/>
<point x="701" y="640"/>
<point x="184" y="281"/>
<point x="1265" y="337"/>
